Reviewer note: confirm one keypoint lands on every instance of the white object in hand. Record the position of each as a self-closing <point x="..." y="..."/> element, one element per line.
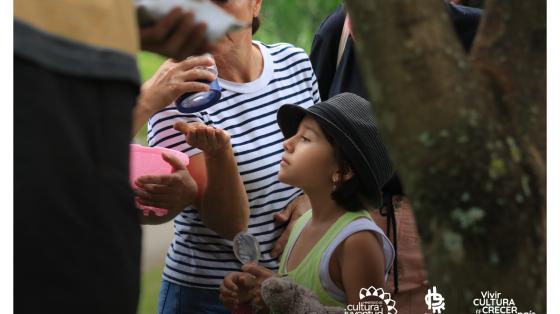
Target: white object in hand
<point x="218" y="21"/>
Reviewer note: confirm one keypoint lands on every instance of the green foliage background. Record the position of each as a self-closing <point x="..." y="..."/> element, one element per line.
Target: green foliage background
<point x="292" y="21"/>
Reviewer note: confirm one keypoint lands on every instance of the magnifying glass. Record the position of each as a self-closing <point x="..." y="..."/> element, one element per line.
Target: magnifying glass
<point x="246" y="248"/>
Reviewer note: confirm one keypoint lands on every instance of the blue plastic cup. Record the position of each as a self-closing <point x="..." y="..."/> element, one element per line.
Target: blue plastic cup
<point x="198" y="101"/>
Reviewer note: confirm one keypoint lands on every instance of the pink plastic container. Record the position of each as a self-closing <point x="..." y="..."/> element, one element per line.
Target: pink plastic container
<point x="149" y="161"/>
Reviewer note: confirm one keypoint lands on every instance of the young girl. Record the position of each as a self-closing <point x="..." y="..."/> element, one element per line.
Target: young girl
<point x="334" y="153"/>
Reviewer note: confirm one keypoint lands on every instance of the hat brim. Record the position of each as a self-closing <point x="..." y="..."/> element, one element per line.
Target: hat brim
<point x="289" y="117"/>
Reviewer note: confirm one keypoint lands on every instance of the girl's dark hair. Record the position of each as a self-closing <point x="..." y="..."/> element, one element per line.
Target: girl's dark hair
<point x="350" y="194"/>
<point x="255" y="24"/>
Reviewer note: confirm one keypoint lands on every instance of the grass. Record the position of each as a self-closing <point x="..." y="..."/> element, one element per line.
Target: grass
<point x="149" y="290"/>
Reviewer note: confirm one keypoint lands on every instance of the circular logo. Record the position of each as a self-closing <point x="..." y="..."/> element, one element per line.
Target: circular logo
<point x="372" y="301"/>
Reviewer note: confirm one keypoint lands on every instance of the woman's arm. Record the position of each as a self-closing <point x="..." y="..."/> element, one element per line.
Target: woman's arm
<point x="211" y="183"/>
<point x="222" y="200"/>
<point x="362" y="264"/>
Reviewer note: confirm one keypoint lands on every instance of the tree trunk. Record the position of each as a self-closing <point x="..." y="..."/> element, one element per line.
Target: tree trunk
<point x="468" y="135"/>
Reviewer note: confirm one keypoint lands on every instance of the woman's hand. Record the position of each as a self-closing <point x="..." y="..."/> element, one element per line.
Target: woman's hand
<point x="235" y="288"/>
<point x="206" y="138"/>
<point x="173" y="192"/>
<point x="289" y="215"/>
<point x="171" y="80"/>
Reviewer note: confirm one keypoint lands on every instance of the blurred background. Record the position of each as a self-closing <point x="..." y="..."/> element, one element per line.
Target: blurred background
<point x="291" y="21"/>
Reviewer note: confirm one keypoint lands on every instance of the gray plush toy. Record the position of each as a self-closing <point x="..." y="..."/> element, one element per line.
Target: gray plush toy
<point x="282" y="295"/>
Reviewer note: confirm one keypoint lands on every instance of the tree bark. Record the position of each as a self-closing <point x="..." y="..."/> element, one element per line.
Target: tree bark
<point x="468" y="135"/>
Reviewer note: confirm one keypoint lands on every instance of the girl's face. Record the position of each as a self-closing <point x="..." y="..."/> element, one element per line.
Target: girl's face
<point x="308" y="161"/>
<point x="244" y="11"/>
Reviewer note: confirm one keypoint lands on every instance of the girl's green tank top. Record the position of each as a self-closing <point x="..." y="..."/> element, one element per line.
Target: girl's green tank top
<point x="307" y="272"/>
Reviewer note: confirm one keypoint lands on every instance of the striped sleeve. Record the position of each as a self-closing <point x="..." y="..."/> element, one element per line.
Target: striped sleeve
<point x="299" y="63"/>
<point x="315" y="89"/>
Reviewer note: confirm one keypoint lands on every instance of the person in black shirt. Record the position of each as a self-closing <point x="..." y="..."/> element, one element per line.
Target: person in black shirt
<point x="346" y="76"/>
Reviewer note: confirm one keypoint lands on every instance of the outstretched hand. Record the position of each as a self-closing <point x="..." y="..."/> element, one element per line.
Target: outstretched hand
<point x="206" y="138"/>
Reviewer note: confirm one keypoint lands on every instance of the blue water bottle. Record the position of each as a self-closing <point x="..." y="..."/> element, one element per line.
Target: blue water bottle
<point x="197" y="101"/>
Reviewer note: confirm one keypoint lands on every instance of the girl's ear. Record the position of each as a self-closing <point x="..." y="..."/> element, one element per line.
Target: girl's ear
<point x="337" y="177"/>
<point x="348" y="174"/>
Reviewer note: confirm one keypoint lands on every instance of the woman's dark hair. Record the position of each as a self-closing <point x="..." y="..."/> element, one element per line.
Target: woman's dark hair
<point x="255" y="24"/>
<point x="349" y="194"/>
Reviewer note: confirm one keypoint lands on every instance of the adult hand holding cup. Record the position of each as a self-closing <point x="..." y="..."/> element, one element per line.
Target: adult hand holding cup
<point x="198" y="101"/>
<point x="175" y="78"/>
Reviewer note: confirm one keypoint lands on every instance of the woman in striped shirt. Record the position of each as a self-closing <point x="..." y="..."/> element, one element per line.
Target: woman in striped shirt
<point x="211" y="206"/>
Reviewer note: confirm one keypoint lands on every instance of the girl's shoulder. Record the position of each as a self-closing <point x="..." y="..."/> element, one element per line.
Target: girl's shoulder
<point x="364" y="236"/>
<point x="361" y="240"/>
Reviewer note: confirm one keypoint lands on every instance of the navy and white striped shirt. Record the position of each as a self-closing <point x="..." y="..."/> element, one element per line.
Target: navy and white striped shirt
<point x="198" y="257"/>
